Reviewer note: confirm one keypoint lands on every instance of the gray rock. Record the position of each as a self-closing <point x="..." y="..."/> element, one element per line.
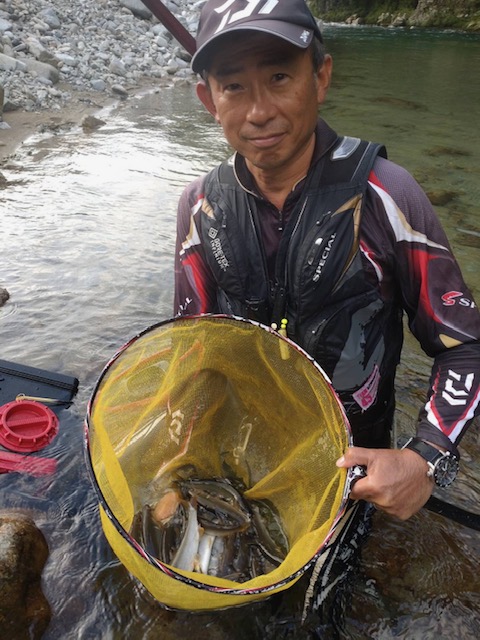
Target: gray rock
<point x="7" y="63"/>
<point x="119" y="90"/>
<point x="117" y="67"/>
<point x="42" y="70"/>
<point x="50" y="17"/>
<point x="9" y="106"/>
<point x="8" y="50"/>
<point x="67" y="60"/>
<point x="90" y="123"/>
<point x="21" y="66"/>
<point x="98" y="84"/>
<point x="35" y="47"/>
<point x="160" y="30"/>
<point x="5" y="25"/>
<point x="400" y="21"/>
<point x="161" y="41"/>
<point x="137" y="8"/>
<point x="24" y="610"/>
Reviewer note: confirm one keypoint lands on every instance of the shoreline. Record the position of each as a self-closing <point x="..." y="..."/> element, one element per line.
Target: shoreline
<point x="23" y="124"/>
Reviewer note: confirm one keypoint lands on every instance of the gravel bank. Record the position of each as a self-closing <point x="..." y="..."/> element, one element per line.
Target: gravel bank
<point x="60" y="59"/>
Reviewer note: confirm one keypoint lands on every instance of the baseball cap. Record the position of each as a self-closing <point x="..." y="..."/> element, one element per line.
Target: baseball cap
<point x="287" y="19"/>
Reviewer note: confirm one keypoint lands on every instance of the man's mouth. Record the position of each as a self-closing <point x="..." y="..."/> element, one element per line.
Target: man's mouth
<point x="264" y="142"/>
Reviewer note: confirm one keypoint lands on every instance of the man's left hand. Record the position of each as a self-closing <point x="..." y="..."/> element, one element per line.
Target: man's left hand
<point x="396" y="480"/>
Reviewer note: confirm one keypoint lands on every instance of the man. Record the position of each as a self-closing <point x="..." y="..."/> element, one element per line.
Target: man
<point x="291" y="230"/>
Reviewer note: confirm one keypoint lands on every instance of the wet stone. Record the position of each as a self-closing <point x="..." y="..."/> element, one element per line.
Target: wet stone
<point x="90" y="123"/>
<point x="4" y="295"/>
<point x="24" y="611"/>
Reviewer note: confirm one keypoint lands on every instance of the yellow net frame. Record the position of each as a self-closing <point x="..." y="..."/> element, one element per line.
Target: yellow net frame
<point x="234" y="399"/>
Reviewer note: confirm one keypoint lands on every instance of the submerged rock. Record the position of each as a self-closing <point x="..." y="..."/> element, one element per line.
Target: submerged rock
<point x="441" y="197"/>
<point x="447" y="151"/>
<point x="4" y="295"/>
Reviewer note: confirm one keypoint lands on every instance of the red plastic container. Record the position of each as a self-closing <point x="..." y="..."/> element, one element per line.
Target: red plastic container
<point x="27" y="426"/>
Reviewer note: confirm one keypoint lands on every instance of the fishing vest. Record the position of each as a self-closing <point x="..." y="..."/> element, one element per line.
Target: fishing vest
<point x="332" y="309"/>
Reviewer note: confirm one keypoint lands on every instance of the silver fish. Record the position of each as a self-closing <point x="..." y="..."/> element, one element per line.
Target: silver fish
<point x="205" y="547"/>
<point x="213" y="530"/>
<point x="186" y="556"/>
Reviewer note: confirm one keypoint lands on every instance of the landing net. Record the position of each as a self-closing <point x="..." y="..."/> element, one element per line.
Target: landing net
<point x="231" y="398"/>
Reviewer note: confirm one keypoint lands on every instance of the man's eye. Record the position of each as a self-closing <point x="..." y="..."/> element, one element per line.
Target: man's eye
<point x="232" y="87"/>
<point x="278" y="77"/>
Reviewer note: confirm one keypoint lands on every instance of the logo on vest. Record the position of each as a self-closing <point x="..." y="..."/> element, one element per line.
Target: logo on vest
<point x="367" y="395"/>
<point x="217" y="250"/>
<point x="324" y="256"/>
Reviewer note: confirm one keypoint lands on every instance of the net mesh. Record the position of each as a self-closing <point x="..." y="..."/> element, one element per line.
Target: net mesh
<point x="232" y="399"/>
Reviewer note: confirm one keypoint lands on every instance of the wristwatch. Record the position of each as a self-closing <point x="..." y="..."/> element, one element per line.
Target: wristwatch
<point x="442" y="465"/>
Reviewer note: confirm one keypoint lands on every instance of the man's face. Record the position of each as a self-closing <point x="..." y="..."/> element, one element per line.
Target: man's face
<point x="265" y="94"/>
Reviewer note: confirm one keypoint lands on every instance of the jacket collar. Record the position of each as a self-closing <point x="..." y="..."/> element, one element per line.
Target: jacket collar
<point x="325" y="138"/>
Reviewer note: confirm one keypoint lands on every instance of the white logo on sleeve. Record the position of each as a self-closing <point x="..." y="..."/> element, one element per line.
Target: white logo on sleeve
<point x="457" y="388"/>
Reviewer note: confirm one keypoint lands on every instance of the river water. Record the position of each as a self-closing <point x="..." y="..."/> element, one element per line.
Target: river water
<point x="88" y="226"/>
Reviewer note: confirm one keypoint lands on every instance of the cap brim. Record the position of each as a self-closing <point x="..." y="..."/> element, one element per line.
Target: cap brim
<point x="299" y="36"/>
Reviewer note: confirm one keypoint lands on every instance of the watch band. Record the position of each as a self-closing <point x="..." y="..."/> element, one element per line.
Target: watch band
<point x="427" y="451"/>
<point x="442" y="466"/>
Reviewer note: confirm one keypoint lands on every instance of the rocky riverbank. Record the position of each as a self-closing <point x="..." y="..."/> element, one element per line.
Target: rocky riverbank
<point x="69" y="59"/>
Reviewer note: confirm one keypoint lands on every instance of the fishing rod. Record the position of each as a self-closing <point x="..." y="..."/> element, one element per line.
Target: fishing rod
<point x="185" y="38"/>
<point x="453" y="512"/>
<point x="173" y="25"/>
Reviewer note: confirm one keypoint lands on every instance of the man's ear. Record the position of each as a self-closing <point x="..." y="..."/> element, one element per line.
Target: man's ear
<point x="323" y="78"/>
<point x="205" y="96"/>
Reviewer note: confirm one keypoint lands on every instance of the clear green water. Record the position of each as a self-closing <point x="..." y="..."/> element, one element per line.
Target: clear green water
<point x="88" y="228"/>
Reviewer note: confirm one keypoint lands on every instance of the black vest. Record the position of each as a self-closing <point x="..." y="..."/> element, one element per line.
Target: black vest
<point x="333" y="311"/>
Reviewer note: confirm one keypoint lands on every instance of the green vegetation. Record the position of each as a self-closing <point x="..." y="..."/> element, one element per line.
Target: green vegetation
<point x="368" y="10"/>
<point x="454" y="14"/>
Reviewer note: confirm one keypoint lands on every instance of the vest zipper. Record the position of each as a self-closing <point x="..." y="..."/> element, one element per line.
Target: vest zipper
<point x="261" y="250"/>
<point x="281" y="284"/>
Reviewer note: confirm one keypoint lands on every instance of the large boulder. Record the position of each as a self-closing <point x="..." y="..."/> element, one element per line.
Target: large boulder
<point x="24" y="611"/>
<point x="42" y="70"/>
<point x="7" y="63"/>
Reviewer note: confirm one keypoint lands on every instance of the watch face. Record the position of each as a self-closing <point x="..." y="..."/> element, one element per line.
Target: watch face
<point x="445" y="471"/>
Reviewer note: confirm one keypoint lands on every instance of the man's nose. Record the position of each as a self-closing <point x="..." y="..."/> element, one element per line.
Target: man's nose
<point x="262" y="107"/>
